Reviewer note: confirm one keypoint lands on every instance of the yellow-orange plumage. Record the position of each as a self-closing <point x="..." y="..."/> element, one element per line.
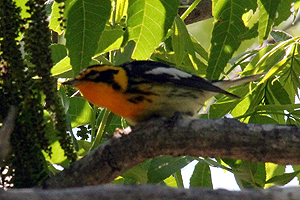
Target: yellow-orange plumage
<point x="141" y="90"/>
<point x="103" y="95"/>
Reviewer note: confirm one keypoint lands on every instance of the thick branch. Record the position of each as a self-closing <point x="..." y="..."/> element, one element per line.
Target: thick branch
<point x="111" y="192"/>
<point x="225" y="138"/>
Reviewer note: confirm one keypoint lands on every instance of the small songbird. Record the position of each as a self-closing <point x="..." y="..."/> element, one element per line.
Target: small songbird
<point x="141" y="90"/>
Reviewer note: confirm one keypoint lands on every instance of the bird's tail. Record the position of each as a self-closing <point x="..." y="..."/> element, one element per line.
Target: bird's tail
<point x="225" y="84"/>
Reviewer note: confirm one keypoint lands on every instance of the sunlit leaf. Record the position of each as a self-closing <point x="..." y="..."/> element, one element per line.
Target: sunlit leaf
<point x="121" y="9"/>
<point x="21" y="4"/>
<point x="63" y="69"/>
<point x="273" y="170"/>
<point x="57" y="156"/>
<point x="148" y="22"/>
<point x="283" y="179"/>
<point x="226" y="104"/>
<point x="228" y="28"/>
<point x="80" y="111"/>
<point x="219" y="163"/>
<point x="111" y="39"/>
<point x="54" y="23"/>
<point x="268" y="57"/>
<point x="178" y="43"/>
<point x="170" y="181"/>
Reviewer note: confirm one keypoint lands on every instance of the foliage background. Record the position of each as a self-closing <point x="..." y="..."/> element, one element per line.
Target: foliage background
<point x="243" y="38"/>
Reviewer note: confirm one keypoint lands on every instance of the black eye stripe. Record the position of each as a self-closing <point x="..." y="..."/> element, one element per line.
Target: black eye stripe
<point x="106" y="76"/>
<point x="102" y="76"/>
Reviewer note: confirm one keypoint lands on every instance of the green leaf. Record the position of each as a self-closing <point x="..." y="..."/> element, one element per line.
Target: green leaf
<point x="84" y="147"/>
<point x="290" y="74"/>
<point x="51" y="133"/>
<point x="284" y="11"/>
<point x="199" y="49"/>
<point x="228" y="28"/>
<point x="111" y="39"/>
<point x="80" y="111"/>
<point x="219" y="163"/>
<point x="267" y="13"/>
<point x="296" y="168"/>
<point x="125" y="56"/>
<point x="171" y="181"/>
<point x="114" y="123"/>
<point x="22" y="5"/>
<point x="201" y="176"/>
<point x="184" y="47"/>
<point x="86" y="22"/>
<point x="271" y="59"/>
<point x="63" y="69"/>
<point x="283" y="179"/>
<point x="163" y="166"/>
<point x="221" y="108"/>
<point x="261" y="119"/>
<point x="280" y="36"/>
<point x="260" y="175"/>
<point x="278" y="93"/>
<point x="226" y="104"/>
<point x="54" y="23"/>
<point x="273" y="170"/>
<point x="137" y="173"/>
<point x="249" y="174"/>
<point x="249" y="103"/>
<point x="121" y="10"/>
<point x="178" y="179"/>
<point x="58" y="52"/>
<point x="289" y="107"/>
<point x="178" y="41"/>
<point x="148" y="22"/>
<point x="58" y="154"/>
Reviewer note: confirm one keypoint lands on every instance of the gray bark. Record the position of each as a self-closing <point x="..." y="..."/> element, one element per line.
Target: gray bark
<point x="149" y="192"/>
<point x="224" y="138"/>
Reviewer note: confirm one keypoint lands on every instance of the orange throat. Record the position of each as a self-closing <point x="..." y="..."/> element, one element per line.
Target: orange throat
<point x="103" y="95"/>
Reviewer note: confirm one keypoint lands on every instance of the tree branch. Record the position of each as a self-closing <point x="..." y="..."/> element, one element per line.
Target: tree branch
<point x="112" y="192"/>
<point x="225" y="138"/>
<point x="5" y="132"/>
<point x="202" y="11"/>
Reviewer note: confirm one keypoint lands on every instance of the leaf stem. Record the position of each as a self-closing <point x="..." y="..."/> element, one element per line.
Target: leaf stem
<point x="93" y="123"/>
<point x="103" y="124"/>
<point x="189" y="10"/>
<point x="178" y="178"/>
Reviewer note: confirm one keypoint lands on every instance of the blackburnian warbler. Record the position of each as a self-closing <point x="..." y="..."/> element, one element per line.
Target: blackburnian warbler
<point x="141" y="90"/>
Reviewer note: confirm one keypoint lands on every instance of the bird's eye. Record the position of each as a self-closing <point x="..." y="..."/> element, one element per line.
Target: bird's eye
<point x="93" y="75"/>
